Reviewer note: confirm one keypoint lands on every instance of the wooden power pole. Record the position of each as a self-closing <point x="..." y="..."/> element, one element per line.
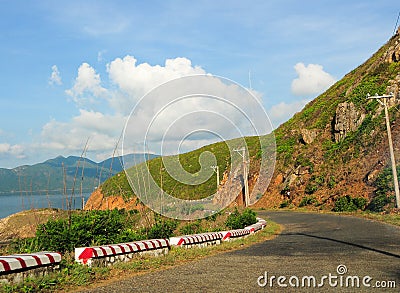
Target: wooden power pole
<point x="383" y="101"/>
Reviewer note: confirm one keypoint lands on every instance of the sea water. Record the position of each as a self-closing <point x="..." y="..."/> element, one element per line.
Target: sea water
<point x="14" y="203"/>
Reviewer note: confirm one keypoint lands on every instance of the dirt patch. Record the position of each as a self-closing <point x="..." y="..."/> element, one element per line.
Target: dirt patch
<point x="24" y="224"/>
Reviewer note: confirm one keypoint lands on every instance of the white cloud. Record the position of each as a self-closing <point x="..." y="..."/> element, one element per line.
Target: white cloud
<point x="15" y="150"/>
<point x="312" y="79"/>
<point x="87" y="86"/>
<point x="209" y="119"/>
<point x="170" y="114"/>
<point x="55" y="77"/>
<point x="134" y="80"/>
<point x="281" y="112"/>
<point x="101" y="130"/>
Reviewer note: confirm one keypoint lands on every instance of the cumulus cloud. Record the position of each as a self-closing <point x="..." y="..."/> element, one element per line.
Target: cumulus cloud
<point x="15" y="150"/>
<point x="55" y="77"/>
<point x="101" y="130"/>
<point x="135" y="80"/>
<point x="87" y="86"/>
<point x="179" y="126"/>
<point x="312" y="79"/>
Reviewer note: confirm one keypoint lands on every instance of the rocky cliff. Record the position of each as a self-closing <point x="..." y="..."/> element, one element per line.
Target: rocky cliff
<point x="348" y="146"/>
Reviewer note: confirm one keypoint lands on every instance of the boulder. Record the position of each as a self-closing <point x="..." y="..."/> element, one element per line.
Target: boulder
<point x="308" y="135"/>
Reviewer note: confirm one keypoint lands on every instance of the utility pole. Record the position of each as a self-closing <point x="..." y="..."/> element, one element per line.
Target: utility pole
<point x="383" y="102"/>
<point x="216" y="170"/>
<point x="161" y="189"/>
<point x="242" y="153"/>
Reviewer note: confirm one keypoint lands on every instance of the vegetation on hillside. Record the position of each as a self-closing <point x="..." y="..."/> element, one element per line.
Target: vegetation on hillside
<point x="89" y="228"/>
<point x="118" y="185"/>
<point x="314" y="174"/>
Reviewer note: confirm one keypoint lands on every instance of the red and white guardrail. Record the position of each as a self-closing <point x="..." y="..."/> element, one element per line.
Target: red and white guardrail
<point x="85" y="254"/>
<point x="17" y="262"/>
<point x="235" y="234"/>
<point x="215" y="236"/>
<point x="196" y="238"/>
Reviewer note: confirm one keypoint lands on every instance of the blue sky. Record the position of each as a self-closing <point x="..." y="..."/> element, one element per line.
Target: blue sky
<point x="74" y="69"/>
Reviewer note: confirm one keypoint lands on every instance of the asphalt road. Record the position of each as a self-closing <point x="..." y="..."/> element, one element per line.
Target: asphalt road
<point x="332" y="250"/>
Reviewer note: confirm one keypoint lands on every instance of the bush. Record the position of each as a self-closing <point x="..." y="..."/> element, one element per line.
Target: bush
<point x="162" y="229"/>
<point x="191" y="228"/>
<point x="378" y="203"/>
<point x="384" y="190"/>
<point x="349" y="204"/>
<point x="314" y="183"/>
<point x="284" y="204"/>
<point x="311" y="188"/>
<point x="238" y="221"/>
<point x="307" y="200"/>
<point x="81" y="229"/>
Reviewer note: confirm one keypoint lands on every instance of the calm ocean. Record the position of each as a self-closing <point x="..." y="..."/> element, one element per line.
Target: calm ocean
<point x="14" y="203"/>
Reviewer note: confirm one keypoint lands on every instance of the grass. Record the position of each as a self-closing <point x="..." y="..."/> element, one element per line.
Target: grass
<point x="392" y="219"/>
<point x="73" y="275"/>
<point x="196" y="179"/>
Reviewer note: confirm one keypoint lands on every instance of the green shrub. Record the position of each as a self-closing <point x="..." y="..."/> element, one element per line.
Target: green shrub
<point x="233" y="221"/>
<point x="248" y="217"/>
<point x="81" y="229"/>
<point x="191" y="228"/>
<point x="384" y="190"/>
<point x="349" y="204"/>
<point x="307" y="200"/>
<point x="314" y="183"/>
<point x="238" y="221"/>
<point x="331" y="182"/>
<point x="163" y="228"/>
<point x="311" y="188"/>
<point x="379" y="202"/>
<point x="284" y="204"/>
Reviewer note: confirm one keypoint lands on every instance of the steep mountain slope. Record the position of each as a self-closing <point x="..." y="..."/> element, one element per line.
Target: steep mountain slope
<point x="336" y="146"/>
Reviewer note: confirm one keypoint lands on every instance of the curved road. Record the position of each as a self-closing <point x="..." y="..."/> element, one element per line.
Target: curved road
<point x="315" y="249"/>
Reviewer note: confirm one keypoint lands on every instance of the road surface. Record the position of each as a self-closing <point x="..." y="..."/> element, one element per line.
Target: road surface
<point x="314" y="252"/>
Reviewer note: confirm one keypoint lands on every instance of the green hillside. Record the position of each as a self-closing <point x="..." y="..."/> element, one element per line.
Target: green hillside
<point x="336" y="146"/>
<point x="191" y="163"/>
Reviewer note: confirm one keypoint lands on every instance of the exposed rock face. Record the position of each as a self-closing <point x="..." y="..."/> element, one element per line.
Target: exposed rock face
<point x="347" y="119"/>
<point x="394" y="88"/>
<point x="308" y="135"/>
<point x="393" y="54"/>
<point x="228" y="189"/>
<point x="97" y="201"/>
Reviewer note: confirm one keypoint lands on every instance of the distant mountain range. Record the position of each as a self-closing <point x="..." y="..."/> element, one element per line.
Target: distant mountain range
<point x="71" y="174"/>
